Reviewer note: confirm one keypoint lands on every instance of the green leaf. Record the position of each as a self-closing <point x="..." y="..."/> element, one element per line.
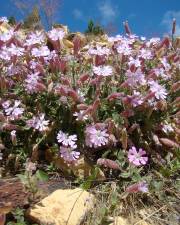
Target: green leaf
<point x="41" y="175"/>
<point x="158" y="185"/>
<point x="126" y="175"/>
<point x="114" y="198"/>
<point x="87" y="184"/>
<point x="23" y="178"/>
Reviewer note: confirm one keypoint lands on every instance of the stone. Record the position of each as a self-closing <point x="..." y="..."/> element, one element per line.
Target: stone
<point x="82" y="169"/>
<point x="12" y="195"/>
<point x="119" y="220"/>
<point x="63" y="207"/>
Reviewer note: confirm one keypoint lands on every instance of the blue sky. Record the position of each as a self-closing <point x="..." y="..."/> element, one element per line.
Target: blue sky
<point x="146" y="17"/>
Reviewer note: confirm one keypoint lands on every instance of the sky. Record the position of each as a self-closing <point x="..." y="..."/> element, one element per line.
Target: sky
<point x="145" y="17"/>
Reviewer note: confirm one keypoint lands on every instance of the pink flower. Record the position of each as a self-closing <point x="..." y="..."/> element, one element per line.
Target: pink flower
<point x="158" y="90"/>
<point x="99" y="50"/>
<point x="14" y="50"/>
<point x="96" y="137"/>
<point x="67" y="140"/>
<point x="38" y="123"/>
<point x="165" y="64"/>
<point x="104" y="71"/>
<point x="145" y="54"/>
<point x="35" y="38"/>
<point x="30" y="166"/>
<point x="31" y="83"/>
<point x="13" y="112"/>
<point x="135" y="62"/>
<point x="137" y="157"/>
<point x="124" y="48"/>
<point x="56" y="34"/>
<point x="69" y="155"/>
<point x="4" y="54"/>
<point x="135" y="78"/>
<point x="139" y="187"/>
<point x="136" y="99"/>
<point x="42" y="51"/>
<point x="79" y="116"/>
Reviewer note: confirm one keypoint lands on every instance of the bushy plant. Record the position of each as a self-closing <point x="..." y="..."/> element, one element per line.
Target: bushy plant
<point x="115" y="101"/>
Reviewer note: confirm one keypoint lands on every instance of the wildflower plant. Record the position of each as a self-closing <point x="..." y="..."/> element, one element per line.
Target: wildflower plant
<point x="94" y="98"/>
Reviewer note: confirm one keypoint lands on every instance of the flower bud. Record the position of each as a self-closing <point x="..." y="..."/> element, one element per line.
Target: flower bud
<point x="174" y="26"/>
<point x="13" y="137"/>
<point x="126" y="27"/>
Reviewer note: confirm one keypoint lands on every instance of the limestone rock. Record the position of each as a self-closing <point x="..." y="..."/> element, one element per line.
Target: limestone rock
<point x="63" y="207"/>
<point x="123" y="221"/>
<point x="81" y="169"/>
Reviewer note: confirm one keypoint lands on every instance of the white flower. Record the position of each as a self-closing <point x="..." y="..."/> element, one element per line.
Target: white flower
<point x="104" y="71"/>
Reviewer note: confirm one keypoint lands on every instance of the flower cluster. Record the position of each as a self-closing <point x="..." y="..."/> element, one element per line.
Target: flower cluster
<point x="13" y="112"/>
<point x="67" y="148"/>
<point x="111" y="93"/>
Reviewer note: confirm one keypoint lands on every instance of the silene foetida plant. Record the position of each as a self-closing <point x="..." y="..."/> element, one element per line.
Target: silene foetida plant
<point x="113" y="100"/>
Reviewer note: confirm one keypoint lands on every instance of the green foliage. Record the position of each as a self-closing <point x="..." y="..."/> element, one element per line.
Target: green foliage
<point x="31" y="180"/>
<point x="18" y="215"/>
<point x="33" y="20"/>
<point x="89" y="181"/>
<point x="41" y="175"/>
<point x="12" y="20"/>
<point x="94" y="29"/>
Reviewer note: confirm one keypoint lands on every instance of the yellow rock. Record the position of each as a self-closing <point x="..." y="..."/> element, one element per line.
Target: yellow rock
<point x="123" y="221"/>
<point x="81" y="169"/>
<point x="177" y="42"/>
<point x="63" y="207"/>
<point x="4" y="27"/>
<point x="68" y="43"/>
